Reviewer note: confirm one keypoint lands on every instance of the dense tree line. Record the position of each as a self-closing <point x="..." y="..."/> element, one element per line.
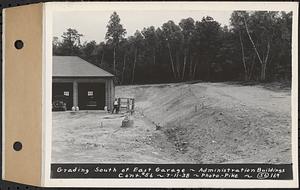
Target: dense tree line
<point x="255" y="47"/>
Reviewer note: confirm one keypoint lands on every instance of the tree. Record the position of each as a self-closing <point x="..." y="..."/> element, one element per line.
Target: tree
<point x="137" y="41"/>
<point x="125" y="47"/>
<point x="55" y="45"/>
<point x="115" y="32"/>
<point x="281" y="55"/>
<point x="151" y="40"/>
<point x="207" y="42"/>
<point x="101" y="52"/>
<point x="89" y="51"/>
<point x="227" y="61"/>
<point x="188" y="29"/>
<point x="261" y="28"/>
<point x="239" y="30"/>
<point x="71" y="42"/>
<point x="172" y="36"/>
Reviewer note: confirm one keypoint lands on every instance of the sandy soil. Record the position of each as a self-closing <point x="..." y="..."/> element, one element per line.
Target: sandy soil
<point x="200" y="123"/>
<point x="95" y="137"/>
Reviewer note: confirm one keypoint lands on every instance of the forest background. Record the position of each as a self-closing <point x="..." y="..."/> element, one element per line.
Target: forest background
<point x="256" y="46"/>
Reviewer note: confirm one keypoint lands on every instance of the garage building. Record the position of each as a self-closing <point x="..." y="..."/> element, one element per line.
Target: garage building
<point x="81" y="84"/>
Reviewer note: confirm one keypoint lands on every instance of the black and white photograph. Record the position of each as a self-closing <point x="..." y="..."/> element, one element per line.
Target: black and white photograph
<point x="172" y="86"/>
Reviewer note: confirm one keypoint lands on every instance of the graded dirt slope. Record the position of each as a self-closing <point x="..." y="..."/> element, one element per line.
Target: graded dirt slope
<point x="216" y="122"/>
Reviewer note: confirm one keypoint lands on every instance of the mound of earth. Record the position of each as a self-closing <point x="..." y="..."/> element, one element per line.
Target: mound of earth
<point x="216" y="122"/>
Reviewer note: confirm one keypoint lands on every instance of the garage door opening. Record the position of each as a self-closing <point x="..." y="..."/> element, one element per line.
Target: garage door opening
<point x="62" y="92"/>
<point x="91" y="96"/>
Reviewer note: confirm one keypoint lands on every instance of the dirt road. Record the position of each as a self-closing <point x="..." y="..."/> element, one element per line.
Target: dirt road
<point x="201" y="123"/>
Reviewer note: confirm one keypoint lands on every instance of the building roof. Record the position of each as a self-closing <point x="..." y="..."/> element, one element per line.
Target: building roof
<point x="73" y="66"/>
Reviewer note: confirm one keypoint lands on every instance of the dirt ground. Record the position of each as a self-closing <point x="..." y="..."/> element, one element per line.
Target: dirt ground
<point x="200" y="123"/>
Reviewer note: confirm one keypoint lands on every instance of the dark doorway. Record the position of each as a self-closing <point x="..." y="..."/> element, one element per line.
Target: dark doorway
<point x="63" y="92"/>
<point x="91" y="96"/>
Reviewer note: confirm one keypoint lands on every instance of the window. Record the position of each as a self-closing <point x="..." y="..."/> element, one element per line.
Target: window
<point x="90" y="93"/>
<point x="66" y="93"/>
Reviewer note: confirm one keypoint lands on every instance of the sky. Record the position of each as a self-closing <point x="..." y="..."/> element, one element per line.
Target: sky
<point x="92" y="24"/>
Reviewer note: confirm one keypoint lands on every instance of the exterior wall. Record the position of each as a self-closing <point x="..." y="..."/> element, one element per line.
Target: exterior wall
<point x="107" y="94"/>
<point x="109" y="87"/>
<point x="110" y="95"/>
<point x="112" y="90"/>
